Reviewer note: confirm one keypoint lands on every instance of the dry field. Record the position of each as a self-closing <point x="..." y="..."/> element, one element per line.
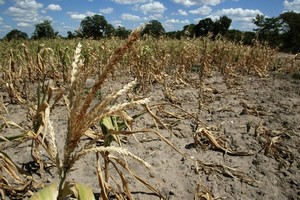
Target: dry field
<point x="148" y="119"/>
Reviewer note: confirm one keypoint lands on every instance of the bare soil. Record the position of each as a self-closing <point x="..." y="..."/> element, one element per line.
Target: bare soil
<point x="258" y="116"/>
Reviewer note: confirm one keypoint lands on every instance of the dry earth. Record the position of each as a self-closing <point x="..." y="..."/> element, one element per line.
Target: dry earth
<point x="254" y="115"/>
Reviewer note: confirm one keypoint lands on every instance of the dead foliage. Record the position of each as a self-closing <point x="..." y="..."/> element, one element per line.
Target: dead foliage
<point x="47" y="74"/>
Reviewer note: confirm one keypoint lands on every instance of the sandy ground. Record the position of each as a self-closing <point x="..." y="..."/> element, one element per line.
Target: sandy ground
<point x="254" y="116"/>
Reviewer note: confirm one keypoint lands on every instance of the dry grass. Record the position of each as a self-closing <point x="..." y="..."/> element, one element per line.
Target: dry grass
<point x="149" y="60"/>
<point x="59" y="74"/>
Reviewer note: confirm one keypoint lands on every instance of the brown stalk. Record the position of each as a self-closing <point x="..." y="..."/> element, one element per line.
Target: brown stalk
<point x="29" y="61"/>
<point x="117" y="56"/>
<point x="76" y="124"/>
<point x="217" y="146"/>
<point x="158" y="120"/>
<point x="124" y="182"/>
<point x="148" y="185"/>
<point x="104" y="192"/>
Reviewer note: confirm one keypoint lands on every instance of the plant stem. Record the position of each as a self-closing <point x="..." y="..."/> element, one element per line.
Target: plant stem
<point x="63" y="177"/>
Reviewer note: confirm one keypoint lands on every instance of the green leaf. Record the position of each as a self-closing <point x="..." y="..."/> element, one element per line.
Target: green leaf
<point x="49" y="192"/>
<point x="122" y="125"/>
<point x="84" y="192"/>
<point x="111" y="123"/>
<point x="108" y="123"/>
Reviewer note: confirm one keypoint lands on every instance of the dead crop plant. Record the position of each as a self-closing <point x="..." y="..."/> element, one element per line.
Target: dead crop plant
<point x="85" y="114"/>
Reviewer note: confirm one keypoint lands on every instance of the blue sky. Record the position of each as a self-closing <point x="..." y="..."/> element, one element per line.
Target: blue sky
<point x="66" y="15"/>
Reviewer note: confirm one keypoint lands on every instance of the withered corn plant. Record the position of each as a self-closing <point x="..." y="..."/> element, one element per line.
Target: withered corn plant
<point x="24" y="66"/>
<point x="83" y="114"/>
<point x="164" y="61"/>
<point x="160" y="60"/>
<point x="14" y="181"/>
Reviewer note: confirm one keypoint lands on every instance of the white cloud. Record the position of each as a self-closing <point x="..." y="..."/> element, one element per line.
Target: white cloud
<point x="80" y="16"/>
<point x="185" y="21"/>
<point x="107" y="10"/>
<point x="241" y="18"/>
<point x="174" y="24"/>
<point x="89" y="13"/>
<point x="292" y="6"/>
<point x="117" y="23"/>
<point x="24" y="24"/>
<point x="77" y="16"/>
<point x="28" y="4"/>
<point x="2" y="2"/>
<point x="130" y="17"/>
<point x="238" y="12"/>
<point x="196" y="20"/>
<point x="198" y="2"/>
<point x="49" y="18"/>
<point x="169" y="27"/>
<point x="176" y="21"/>
<point x="204" y="10"/>
<point x="54" y="7"/>
<point x="152" y="7"/>
<point x="5" y="28"/>
<point x="246" y="26"/>
<point x="26" y="11"/>
<point x="182" y="12"/>
<point x="1" y="20"/>
<point x="129" y="1"/>
<point x="155" y="16"/>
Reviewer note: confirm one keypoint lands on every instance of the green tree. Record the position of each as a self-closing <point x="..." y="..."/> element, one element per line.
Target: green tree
<point x="153" y="28"/>
<point x="95" y="27"/>
<point x="282" y="31"/>
<point x="122" y="32"/>
<point x="249" y="37"/>
<point x="174" y="34"/>
<point x="44" y="30"/>
<point x="290" y="31"/>
<point x="16" y="35"/>
<point x="71" y="35"/>
<point x="268" y="29"/>
<point x="78" y="33"/>
<point x="207" y="25"/>
<point x="204" y="27"/>
<point x="189" y="30"/>
<point x="234" y="35"/>
<point x="222" y="25"/>
<point x="110" y="30"/>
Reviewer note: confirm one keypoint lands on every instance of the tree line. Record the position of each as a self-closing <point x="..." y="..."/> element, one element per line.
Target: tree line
<point x="281" y="32"/>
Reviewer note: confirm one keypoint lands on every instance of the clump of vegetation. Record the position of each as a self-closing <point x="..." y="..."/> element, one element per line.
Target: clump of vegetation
<point x="49" y="71"/>
<point x="81" y="117"/>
